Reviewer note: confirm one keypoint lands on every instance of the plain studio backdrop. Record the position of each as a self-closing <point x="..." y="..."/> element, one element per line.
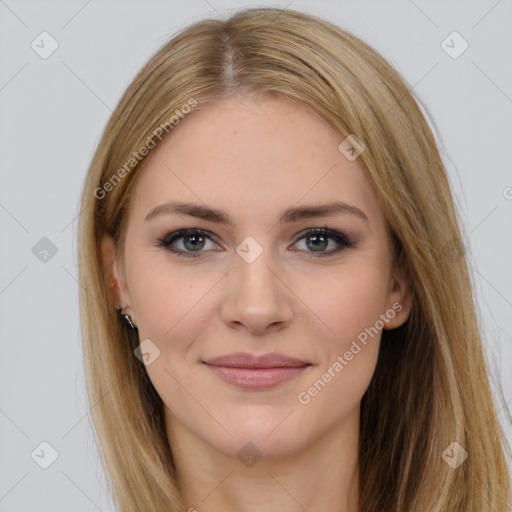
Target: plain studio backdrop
<point x="64" y="66"/>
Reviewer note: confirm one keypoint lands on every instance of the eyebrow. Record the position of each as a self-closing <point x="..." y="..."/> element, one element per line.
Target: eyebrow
<point x="290" y="215"/>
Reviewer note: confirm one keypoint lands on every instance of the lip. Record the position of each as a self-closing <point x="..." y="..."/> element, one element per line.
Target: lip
<point x="247" y="360"/>
<point x="249" y="371"/>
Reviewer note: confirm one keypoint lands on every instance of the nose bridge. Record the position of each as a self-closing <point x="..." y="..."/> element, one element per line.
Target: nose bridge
<point x="257" y="297"/>
<point x="253" y="264"/>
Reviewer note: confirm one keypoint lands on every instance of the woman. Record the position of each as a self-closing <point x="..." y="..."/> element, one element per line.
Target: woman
<point x="276" y="306"/>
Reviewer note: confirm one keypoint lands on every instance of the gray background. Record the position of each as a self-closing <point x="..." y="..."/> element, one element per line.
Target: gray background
<point x="52" y="114"/>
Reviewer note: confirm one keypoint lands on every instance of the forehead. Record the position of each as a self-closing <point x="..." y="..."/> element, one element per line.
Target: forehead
<point x="254" y="157"/>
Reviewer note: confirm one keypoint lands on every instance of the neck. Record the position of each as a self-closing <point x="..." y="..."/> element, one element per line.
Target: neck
<point x="321" y="477"/>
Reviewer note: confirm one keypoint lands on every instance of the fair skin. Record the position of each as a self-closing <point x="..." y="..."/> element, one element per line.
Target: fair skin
<point x="253" y="159"/>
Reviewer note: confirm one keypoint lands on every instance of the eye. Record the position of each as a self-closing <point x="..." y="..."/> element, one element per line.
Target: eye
<point x="318" y="240"/>
<point x="194" y="240"/>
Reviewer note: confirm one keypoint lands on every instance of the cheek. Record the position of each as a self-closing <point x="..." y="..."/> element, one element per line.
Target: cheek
<point x="348" y="304"/>
<point x="171" y="312"/>
<point x="348" y="311"/>
<point x="171" y="306"/>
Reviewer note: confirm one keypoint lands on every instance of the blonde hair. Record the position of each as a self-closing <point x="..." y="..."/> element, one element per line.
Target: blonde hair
<point x="430" y="386"/>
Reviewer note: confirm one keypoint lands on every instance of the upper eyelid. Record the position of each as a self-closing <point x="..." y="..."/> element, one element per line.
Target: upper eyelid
<point x="182" y="232"/>
<point x="329" y="232"/>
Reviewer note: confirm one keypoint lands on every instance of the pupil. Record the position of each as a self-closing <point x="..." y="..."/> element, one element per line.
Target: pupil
<point x="191" y="237"/>
<point x="317" y="237"/>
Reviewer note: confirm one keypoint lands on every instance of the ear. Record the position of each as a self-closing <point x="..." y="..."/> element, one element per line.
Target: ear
<point x="399" y="297"/>
<point x="113" y="273"/>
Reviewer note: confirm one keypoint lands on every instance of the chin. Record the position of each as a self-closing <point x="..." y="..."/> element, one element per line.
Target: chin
<point x="273" y="435"/>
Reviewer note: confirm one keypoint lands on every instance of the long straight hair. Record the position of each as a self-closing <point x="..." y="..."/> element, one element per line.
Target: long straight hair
<point x="431" y="383"/>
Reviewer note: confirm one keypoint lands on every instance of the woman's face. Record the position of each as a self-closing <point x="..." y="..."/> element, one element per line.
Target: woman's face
<point x="252" y="179"/>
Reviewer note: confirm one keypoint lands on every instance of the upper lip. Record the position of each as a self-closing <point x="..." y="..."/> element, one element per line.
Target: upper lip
<point x="247" y="360"/>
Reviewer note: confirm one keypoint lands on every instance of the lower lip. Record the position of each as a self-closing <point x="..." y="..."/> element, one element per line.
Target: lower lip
<point x="256" y="378"/>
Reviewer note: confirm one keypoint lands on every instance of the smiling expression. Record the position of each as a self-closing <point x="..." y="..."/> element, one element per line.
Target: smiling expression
<point x="287" y="256"/>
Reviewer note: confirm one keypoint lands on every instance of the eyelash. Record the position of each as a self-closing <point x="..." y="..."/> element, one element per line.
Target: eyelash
<point x="340" y="238"/>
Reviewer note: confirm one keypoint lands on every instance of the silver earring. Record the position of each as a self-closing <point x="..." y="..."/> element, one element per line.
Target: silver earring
<point x="127" y="319"/>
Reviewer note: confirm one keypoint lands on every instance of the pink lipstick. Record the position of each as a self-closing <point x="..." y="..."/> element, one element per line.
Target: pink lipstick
<point x="250" y="371"/>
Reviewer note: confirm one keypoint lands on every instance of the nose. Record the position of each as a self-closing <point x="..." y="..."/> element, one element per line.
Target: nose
<point x="257" y="298"/>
